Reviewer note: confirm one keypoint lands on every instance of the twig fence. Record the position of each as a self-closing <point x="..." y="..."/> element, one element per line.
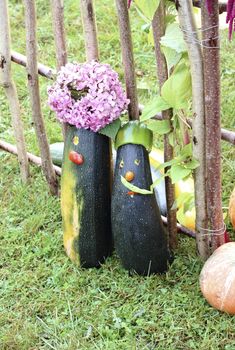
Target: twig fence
<point x="206" y="123"/>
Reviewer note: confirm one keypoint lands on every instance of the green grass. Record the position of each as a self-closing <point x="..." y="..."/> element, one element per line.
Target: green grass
<point x="46" y="302"/>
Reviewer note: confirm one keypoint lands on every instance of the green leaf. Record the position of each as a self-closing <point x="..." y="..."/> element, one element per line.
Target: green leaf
<point x="171" y="138"/>
<point x="172" y="56"/>
<point x="186" y="151"/>
<point x="157" y="105"/>
<point x="193" y="164"/>
<point x="147" y="8"/>
<point x="157" y="181"/>
<point x="177" y="90"/>
<point x="185" y="199"/>
<point x="111" y="130"/>
<point x="178" y="172"/>
<point x="161" y="127"/>
<point x="173" y="38"/>
<point x="134" y="188"/>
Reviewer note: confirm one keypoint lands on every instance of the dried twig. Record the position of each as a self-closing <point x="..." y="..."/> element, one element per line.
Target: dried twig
<point x="32" y="69"/>
<point x="42" y="69"/>
<point x="211" y="54"/>
<point x="37" y="161"/>
<point x="8" y="147"/>
<point x="89" y="28"/>
<point x="158" y="25"/>
<point x="10" y="89"/>
<point x="186" y="19"/>
<point x="128" y="58"/>
<point x="57" y="8"/>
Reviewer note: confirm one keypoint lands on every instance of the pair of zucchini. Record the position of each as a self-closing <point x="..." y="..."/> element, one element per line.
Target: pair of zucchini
<point x="87" y="212"/>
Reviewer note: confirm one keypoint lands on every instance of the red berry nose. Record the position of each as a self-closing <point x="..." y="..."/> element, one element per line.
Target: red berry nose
<point x="129" y="176"/>
<point x="76" y="158"/>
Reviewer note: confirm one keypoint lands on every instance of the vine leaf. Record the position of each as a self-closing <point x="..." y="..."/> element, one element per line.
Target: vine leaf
<point x="173" y="38"/>
<point x="134" y="188"/>
<point x="161" y="127"/>
<point x="111" y="130"/>
<point x="178" y="172"/>
<point x="155" y="106"/>
<point x="147" y="8"/>
<point x="177" y="90"/>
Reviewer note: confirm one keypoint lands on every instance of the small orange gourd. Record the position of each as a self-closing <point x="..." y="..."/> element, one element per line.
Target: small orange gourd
<point x="217" y="278"/>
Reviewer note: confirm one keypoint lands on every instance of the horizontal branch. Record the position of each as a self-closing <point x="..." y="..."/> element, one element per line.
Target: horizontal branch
<point x="198" y="3"/>
<point x="49" y="73"/>
<point x="31" y="157"/>
<point x="42" y="70"/>
<point x="180" y="228"/>
<point x="226" y="135"/>
<point x="8" y="147"/>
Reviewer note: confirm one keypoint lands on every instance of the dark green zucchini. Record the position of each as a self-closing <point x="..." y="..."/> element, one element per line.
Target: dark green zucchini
<point x="139" y="236"/>
<point x="86" y="197"/>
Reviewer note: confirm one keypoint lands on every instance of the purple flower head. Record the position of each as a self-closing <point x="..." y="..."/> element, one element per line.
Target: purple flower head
<point x="88" y="95"/>
<point x="231" y="16"/>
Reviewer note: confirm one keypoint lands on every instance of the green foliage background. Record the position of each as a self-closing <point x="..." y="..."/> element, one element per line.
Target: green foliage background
<point x="46" y="302"/>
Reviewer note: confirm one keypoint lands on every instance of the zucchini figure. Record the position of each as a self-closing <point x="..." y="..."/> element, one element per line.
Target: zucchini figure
<point x="139" y="236"/>
<point x="86" y="197"/>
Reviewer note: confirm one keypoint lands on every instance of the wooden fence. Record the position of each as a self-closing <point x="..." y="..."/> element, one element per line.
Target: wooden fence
<point x="206" y="127"/>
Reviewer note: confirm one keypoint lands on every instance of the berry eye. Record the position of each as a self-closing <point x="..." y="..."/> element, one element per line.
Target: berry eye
<point x="76" y="140"/>
<point x="137" y="162"/>
<point x="121" y="165"/>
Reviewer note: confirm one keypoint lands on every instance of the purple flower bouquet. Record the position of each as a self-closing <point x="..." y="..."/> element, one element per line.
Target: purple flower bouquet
<point x="88" y="95"/>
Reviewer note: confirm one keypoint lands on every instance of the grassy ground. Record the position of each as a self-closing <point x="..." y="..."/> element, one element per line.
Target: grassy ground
<point x="47" y="303"/>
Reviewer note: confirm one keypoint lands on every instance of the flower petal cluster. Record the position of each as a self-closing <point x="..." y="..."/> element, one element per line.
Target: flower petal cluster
<point x="231" y="16"/>
<point x="87" y="95"/>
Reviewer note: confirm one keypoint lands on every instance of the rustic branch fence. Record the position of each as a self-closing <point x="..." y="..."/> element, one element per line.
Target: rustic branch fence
<point x="206" y="108"/>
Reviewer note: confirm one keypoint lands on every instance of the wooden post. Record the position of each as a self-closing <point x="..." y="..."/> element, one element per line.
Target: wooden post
<point x="211" y="54"/>
<point x="57" y="7"/>
<point x="89" y="28"/>
<point x="186" y="20"/>
<point x="10" y="89"/>
<point x="158" y="24"/>
<point x="128" y="58"/>
<point x="33" y="83"/>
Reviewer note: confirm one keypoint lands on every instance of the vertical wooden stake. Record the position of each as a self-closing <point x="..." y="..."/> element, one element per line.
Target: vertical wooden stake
<point x="89" y="28"/>
<point x="128" y="58"/>
<point x="158" y="25"/>
<point x="211" y="54"/>
<point x="10" y="89"/>
<point x="57" y="7"/>
<point x="186" y="20"/>
<point x="33" y="83"/>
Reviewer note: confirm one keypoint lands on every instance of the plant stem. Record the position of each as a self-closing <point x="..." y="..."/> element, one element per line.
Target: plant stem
<point x="186" y="19"/>
<point x="158" y="25"/>
<point x="10" y="89"/>
<point x="33" y="84"/>
<point x="90" y="31"/>
<point x="57" y="8"/>
<point x="128" y="58"/>
<point x="211" y="53"/>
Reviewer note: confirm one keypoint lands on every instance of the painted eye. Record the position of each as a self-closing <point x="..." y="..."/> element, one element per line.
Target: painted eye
<point x="137" y="162"/>
<point x="76" y="140"/>
<point x="121" y="165"/>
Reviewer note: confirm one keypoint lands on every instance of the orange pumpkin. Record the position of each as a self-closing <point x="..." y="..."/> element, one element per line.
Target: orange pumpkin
<point x="231" y="208"/>
<point x="217" y="278"/>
